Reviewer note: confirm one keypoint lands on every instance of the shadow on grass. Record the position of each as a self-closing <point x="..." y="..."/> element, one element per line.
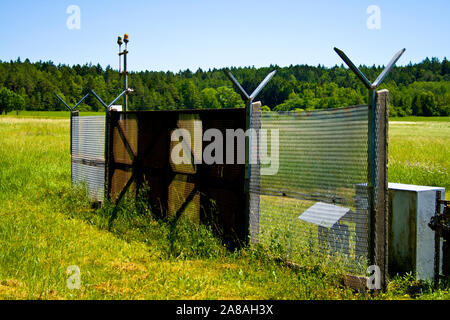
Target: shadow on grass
<point x="175" y="237"/>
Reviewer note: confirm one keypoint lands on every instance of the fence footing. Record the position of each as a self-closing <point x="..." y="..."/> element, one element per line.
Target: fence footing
<point x="357" y="283"/>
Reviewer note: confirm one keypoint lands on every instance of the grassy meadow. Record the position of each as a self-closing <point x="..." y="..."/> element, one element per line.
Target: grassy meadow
<point x="49" y="114"/>
<point x="419" y="152"/>
<point x="46" y="226"/>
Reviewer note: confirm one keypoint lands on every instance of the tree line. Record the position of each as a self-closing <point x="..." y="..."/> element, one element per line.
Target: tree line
<point x="421" y="89"/>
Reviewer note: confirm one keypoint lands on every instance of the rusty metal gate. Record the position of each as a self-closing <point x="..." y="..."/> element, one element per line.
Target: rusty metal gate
<point x="139" y="148"/>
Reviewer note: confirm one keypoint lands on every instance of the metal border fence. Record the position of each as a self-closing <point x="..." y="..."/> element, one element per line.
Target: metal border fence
<point x="377" y="157"/>
<point x="140" y="145"/>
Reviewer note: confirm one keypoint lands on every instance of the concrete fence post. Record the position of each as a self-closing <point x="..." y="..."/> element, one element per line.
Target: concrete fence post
<point x="254" y="179"/>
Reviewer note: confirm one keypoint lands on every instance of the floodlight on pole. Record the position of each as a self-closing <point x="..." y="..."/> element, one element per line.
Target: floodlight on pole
<point x="125" y="72"/>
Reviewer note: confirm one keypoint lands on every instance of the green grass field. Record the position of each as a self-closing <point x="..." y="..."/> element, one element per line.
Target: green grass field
<point x="419" y="153"/>
<point x="49" y="114"/>
<point x="45" y="227"/>
<point x="420" y="119"/>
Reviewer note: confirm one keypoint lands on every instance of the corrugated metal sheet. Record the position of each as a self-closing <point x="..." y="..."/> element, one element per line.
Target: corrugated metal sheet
<point x="88" y="154"/>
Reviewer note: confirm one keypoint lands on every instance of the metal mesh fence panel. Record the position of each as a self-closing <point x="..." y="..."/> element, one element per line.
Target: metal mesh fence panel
<point x="88" y="154"/>
<point x="313" y="199"/>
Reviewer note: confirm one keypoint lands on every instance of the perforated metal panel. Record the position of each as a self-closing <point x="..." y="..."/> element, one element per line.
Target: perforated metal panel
<point x="88" y="154"/>
<point x="140" y="154"/>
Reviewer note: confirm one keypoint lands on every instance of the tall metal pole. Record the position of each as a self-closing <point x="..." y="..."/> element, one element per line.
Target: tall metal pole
<point x="125" y="72"/>
<point x="125" y="80"/>
<point x="71" y="146"/>
<point x="372" y="174"/>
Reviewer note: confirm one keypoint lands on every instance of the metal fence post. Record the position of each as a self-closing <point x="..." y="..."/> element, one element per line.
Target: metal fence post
<point x="371" y="175"/>
<point x="107" y="154"/>
<point x="379" y="172"/>
<point x="72" y="115"/>
<point x="248" y="164"/>
<point x="108" y="133"/>
<point x="252" y="215"/>
<point x="71" y="131"/>
<point x="255" y="176"/>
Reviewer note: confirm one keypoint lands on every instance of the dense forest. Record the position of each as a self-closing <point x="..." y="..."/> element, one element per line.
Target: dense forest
<point x="421" y="89"/>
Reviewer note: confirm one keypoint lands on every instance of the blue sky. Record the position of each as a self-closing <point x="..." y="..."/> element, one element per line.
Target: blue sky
<point x="174" y="35"/>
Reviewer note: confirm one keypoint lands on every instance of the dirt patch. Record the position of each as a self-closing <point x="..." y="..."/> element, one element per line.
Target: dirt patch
<point x="127" y="266"/>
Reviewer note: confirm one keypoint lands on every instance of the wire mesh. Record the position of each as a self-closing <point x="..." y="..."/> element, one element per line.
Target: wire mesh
<point x="88" y="154"/>
<point x="316" y="204"/>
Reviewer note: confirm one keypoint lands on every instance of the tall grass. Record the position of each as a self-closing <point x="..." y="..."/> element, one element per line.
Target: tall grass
<point x="419" y="153"/>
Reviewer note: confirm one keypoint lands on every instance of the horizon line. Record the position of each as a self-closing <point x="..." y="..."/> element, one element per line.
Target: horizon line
<point x="210" y="69"/>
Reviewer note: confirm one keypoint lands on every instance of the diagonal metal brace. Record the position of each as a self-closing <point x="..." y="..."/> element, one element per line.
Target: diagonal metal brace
<point x="74" y="107"/>
<point x="127" y="145"/>
<point x="67" y="106"/>
<point x="119" y="96"/>
<point x="262" y="85"/>
<point x="108" y="107"/>
<point x="388" y="68"/>
<point x="119" y="198"/>
<point x="242" y="91"/>
<point x="237" y="84"/>
<point x="362" y="77"/>
<point x="100" y="100"/>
